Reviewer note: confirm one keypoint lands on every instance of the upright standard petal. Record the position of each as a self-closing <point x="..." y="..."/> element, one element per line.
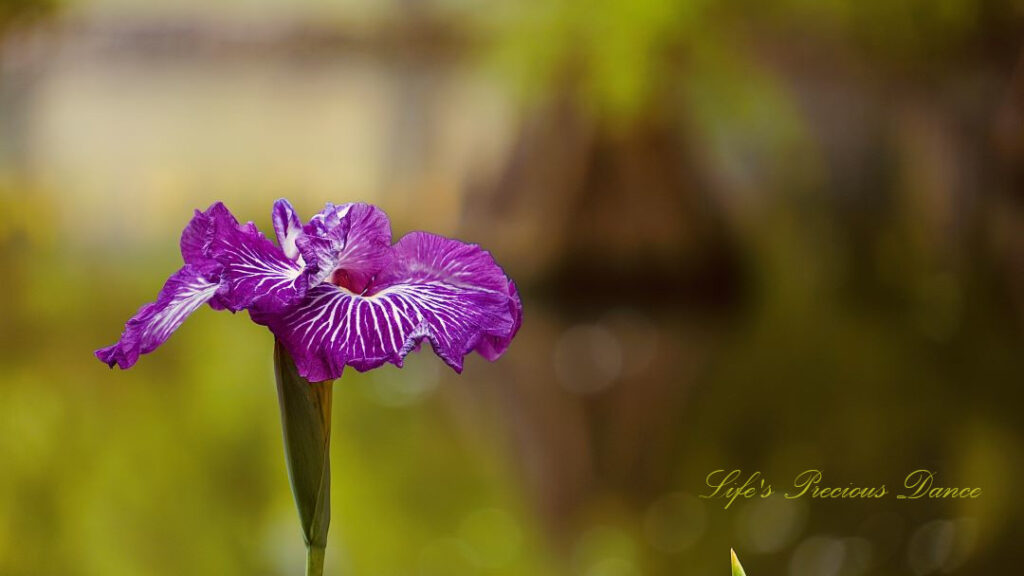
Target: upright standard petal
<point x="346" y="244"/>
<point x="442" y="290"/>
<point x="185" y="291"/>
<point x="198" y="236"/>
<point x="287" y="226"/>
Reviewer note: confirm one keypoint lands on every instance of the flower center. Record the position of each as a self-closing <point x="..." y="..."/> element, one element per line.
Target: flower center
<point x="354" y="283"/>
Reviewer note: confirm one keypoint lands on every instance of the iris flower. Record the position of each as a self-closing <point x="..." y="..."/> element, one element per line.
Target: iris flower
<point x="335" y="292"/>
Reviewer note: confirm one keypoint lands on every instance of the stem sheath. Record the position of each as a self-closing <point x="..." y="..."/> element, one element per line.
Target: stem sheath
<point x="306" y="422"/>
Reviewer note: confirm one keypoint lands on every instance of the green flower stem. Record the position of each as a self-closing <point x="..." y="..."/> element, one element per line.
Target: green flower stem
<point x="314" y="561"/>
<point x="306" y="422"/>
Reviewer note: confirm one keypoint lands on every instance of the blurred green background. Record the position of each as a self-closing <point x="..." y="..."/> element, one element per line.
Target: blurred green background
<point x="762" y="235"/>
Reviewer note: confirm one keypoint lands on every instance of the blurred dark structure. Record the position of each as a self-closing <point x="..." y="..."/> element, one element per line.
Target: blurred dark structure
<point x="892" y="218"/>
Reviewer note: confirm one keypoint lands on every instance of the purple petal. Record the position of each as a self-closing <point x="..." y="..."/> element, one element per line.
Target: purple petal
<point x="492" y="346"/>
<point x="287" y="226"/>
<point x="442" y="290"/>
<point x="256" y="273"/>
<point x="185" y="291"/>
<point x="351" y="241"/>
<point x="198" y="236"/>
<point x="320" y="243"/>
<point x="425" y="257"/>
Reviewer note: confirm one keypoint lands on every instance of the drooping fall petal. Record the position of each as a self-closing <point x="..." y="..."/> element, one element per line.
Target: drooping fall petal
<point x="437" y="289"/>
<point x="183" y="293"/>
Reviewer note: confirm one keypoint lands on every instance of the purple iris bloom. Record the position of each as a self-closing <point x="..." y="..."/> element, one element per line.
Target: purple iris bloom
<point x="334" y="291"/>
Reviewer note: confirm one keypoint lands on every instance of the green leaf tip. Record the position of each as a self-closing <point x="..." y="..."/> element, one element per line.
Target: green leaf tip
<point x="737" y="568"/>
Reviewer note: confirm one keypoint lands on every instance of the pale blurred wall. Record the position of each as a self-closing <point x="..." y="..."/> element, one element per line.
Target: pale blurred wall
<point x="149" y="108"/>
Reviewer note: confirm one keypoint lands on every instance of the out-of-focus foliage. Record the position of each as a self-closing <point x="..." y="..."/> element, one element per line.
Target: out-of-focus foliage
<point x="625" y="52"/>
<point x="615" y="48"/>
<point x="19" y="12"/>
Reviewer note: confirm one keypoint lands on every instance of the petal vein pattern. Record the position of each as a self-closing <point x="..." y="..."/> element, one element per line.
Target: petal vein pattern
<point x="352" y="239"/>
<point x="257" y="273"/>
<point x="334" y="327"/>
<point x="185" y="291"/>
<point x="336" y="293"/>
